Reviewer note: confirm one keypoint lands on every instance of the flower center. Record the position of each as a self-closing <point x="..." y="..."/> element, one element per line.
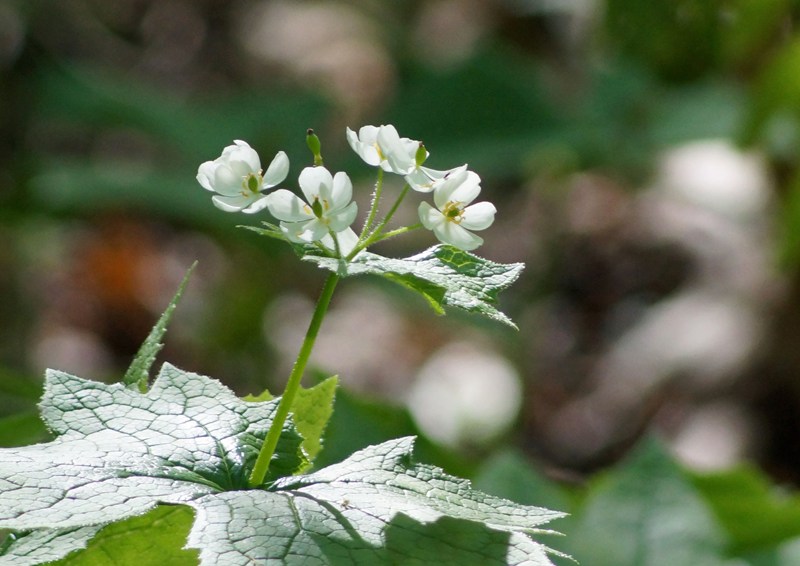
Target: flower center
<point x="319" y="208"/>
<point x="453" y="212"/>
<point x="252" y="183"/>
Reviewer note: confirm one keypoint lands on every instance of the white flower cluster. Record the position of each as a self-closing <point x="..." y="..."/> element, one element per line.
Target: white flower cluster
<point x="327" y="212"/>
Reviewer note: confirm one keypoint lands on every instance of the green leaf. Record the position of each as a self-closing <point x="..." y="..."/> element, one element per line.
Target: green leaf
<point x="189" y="440"/>
<point x="376" y="507"/>
<point x="508" y="474"/>
<point x="736" y="496"/>
<point x="138" y="374"/>
<point x="44" y="545"/>
<point x="443" y="275"/>
<point x="120" y="452"/>
<point x="154" y="538"/>
<point x="647" y="512"/>
<point x="311" y="411"/>
<point x="310" y="414"/>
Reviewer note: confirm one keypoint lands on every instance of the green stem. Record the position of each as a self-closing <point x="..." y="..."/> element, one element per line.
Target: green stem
<point x="392" y="210"/>
<point x="273" y="435"/>
<point x="395" y="232"/>
<point x="375" y="235"/>
<point x="373" y="208"/>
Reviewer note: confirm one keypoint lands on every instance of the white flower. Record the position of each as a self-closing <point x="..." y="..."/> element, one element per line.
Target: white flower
<point x="237" y="179"/>
<point x="383" y="146"/>
<point x="347" y="240"/>
<point x="328" y="207"/>
<point x="456" y="217"/>
<point x="424" y="180"/>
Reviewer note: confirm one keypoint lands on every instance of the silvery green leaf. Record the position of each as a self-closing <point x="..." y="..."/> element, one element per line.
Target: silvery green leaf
<point x="444" y="275"/>
<point x="120" y="455"/>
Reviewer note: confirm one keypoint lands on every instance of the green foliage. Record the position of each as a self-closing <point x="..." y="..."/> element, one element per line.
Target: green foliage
<point x="311" y="411"/>
<point x="444" y="275"/>
<point x="119" y="453"/>
<point x="138" y="374"/>
<point x="647" y="512"/>
<point x="737" y="496"/>
<point x="153" y="539"/>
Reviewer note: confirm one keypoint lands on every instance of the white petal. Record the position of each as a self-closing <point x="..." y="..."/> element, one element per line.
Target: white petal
<point x="419" y="181"/>
<point x="316" y="182"/>
<point x="342" y="219"/>
<point x="479" y="216"/>
<point x="453" y="234"/>
<point x="226" y="182"/>
<point x="410" y="147"/>
<point x="243" y="152"/>
<point x="468" y="190"/>
<point x="368" y="134"/>
<point x="315" y="230"/>
<point x="347" y="240"/>
<point x="295" y="231"/>
<point x="205" y="174"/>
<point x="342" y="192"/>
<point x="429" y="216"/>
<point x="231" y="204"/>
<point x="400" y="156"/>
<point x="277" y="170"/>
<point x="241" y="168"/>
<point x="258" y="205"/>
<point x="363" y="144"/>
<point x="285" y="205"/>
<point x="389" y="139"/>
<point x="447" y="185"/>
<point x="436" y="174"/>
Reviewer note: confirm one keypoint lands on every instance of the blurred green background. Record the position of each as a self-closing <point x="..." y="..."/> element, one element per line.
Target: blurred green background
<point x="643" y="157"/>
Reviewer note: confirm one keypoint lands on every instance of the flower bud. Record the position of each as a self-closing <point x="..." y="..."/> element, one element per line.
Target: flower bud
<point x="317" y="208"/>
<point x="421" y="155"/>
<point x="313" y="143"/>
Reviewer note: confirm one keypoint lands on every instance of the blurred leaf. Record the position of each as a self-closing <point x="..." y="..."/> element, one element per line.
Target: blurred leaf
<point x="786" y="554"/>
<point x="197" y="129"/>
<point x="490" y="111"/>
<point x="739" y="496"/>
<point x="680" y="39"/>
<point x="22" y="429"/>
<point x="750" y="25"/>
<point x="86" y="188"/>
<point x="510" y="476"/>
<point x="788" y="251"/>
<point x="646" y="511"/>
<point x="776" y="92"/>
<point x="698" y="111"/>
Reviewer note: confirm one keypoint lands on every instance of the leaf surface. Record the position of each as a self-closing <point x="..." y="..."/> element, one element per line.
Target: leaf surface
<point x="443" y="275"/>
<point x="376" y="507"/>
<point x="120" y="454"/>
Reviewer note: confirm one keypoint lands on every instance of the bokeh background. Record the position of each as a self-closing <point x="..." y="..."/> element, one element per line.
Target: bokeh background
<point x="643" y="157"/>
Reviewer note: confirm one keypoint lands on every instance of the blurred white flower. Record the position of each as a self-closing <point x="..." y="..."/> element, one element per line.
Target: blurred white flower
<point x="328" y="207"/>
<point x="236" y="178"/>
<point x="452" y="223"/>
<point x="465" y="395"/>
